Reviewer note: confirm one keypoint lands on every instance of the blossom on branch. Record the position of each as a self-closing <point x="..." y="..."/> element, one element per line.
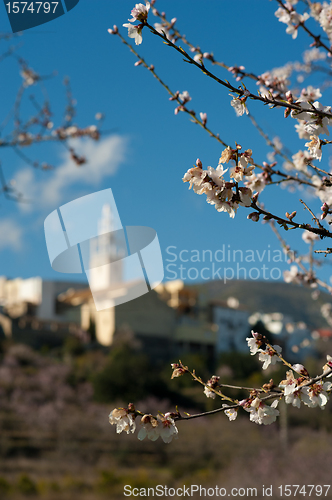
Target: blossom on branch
<point x="293" y="392"/>
<point x="135" y="32"/>
<point x="139" y="13"/>
<point x="314" y="123"/>
<point x="255" y="342"/>
<point x="168" y="429"/>
<point x="231" y="412"/>
<point x="239" y="105"/>
<point x="218" y="191"/>
<point x="290" y="17"/>
<point x="149" y="428"/>
<point x="213" y="383"/>
<point x="123" y="420"/>
<point x="309" y="237"/>
<point x="317" y="394"/>
<point x="270" y="356"/>
<point x="261" y="413"/>
<point x="315" y="147"/>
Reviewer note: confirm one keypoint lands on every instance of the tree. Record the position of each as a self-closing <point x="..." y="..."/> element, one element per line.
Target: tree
<point x="31" y="120"/>
<point x="238" y="181"/>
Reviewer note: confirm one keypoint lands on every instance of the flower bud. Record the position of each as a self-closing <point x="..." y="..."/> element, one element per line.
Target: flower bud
<point x="113" y="31"/>
<point x="300" y="369"/>
<point x="254" y="216"/>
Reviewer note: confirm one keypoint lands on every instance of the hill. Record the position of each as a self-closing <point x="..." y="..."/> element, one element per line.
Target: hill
<point x="268" y="297"/>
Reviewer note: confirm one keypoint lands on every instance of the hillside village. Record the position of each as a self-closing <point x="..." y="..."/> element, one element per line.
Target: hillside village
<point x="168" y="321"/>
<point x="172" y="319"/>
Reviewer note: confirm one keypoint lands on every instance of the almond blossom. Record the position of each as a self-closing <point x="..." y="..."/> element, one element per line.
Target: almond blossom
<point x="239" y="106"/>
<point x="168" y="429"/>
<point x="325" y="18"/>
<point x="212" y="383"/>
<point x="310" y="94"/>
<point x="123" y="420"/>
<point x="209" y="394"/>
<point x="139" y="13"/>
<point x="254" y="343"/>
<point x="270" y="356"/>
<point x="150" y="428"/>
<point x="293" y="392"/>
<point x="242" y="168"/>
<point x="315" y="147"/>
<point x="261" y="413"/>
<point x="317" y="394"/>
<point x="291" y="18"/>
<point x="231" y="412"/>
<point x="315" y="124"/>
<point x="309" y="237"/>
<point x="256" y="182"/>
<point x="328" y="365"/>
<point x="135" y="32"/>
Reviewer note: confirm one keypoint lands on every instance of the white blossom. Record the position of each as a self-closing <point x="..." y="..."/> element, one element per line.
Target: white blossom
<point x="134" y="32"/>
<point x="309" y="237"/>
<point x="312" y="55"/>
<point x="310" y="94"/>
<point x="185" y="97"/>
<point x="315" y="147"/>
<point x="300" y="129"/>
<point x="208" y="393"/>
<point x="292" y="19"/>
<point x="293" y="392"/>
<point x="168" y="429"/>
<point x="301" y="160"/>
<point x="328" y="365"/>
<point x="291" y="276"/>
<point x="239" y="106"/>
<point x="317" y="394"/>
<point x="269" y="357"/>
<point x="261" y="413"/>
<point x="254" y="343"/>
<point x="140" y="12"/>
<point x="315" y="124"/>
<point x="256" y="182"/>
<point x="150" y="428"/>
<point x="325" y="19"/>
<point x="123" y="420"/>
<point x="231" y="412"/>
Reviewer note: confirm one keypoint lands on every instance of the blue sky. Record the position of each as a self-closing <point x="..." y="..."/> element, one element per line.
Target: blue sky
<point x="145" y="149"/>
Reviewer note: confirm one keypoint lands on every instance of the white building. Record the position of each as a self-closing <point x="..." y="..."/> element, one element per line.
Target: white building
<point x="231" y="324"/>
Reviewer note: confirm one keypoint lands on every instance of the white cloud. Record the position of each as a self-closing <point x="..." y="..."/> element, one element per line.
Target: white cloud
<point x="103" y="159"/>
<point x="11" y="234"/>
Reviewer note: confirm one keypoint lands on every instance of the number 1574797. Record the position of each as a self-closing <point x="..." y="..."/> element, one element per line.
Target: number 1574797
<point x="31" y="7"/>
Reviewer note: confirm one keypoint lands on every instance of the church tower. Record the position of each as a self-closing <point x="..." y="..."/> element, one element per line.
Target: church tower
<point x="108" y="247"/>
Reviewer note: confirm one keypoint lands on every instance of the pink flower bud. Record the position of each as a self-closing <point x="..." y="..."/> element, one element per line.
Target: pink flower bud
<point x="208" y="55"/>
<point x="203" y="117"/>
<point x="113" y="31"/>
<point x="254" y="216"/>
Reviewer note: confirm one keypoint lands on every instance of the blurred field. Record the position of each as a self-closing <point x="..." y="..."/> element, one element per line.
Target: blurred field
<point x="56" y="442"/>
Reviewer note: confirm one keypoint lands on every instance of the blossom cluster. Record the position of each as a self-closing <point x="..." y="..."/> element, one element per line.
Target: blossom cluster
<point x="289" y="16"/>
<point x="151" y="427"/>
<point x="139" y="13"/>
<point x="260" y="412"/>
<point x="295" y="392"/>
<point x="312" y="120"/>
<point x="226" y="196"/>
